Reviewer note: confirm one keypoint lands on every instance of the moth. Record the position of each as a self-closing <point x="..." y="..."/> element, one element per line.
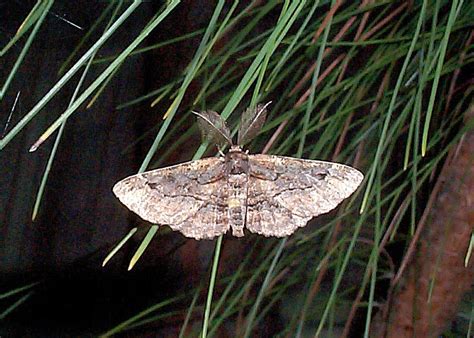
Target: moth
<point x="266" y="194"/>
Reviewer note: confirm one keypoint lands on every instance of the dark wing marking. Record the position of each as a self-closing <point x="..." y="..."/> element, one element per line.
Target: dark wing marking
<point x="181" y="196"/>
<point x="285" y="192"/>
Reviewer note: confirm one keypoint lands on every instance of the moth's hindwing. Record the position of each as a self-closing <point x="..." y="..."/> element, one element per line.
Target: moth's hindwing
<point x="285" y="193"/>
<point x="187" y="197"/>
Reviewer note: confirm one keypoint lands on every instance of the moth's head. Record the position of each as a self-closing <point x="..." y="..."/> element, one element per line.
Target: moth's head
<point x="237" y="161"/>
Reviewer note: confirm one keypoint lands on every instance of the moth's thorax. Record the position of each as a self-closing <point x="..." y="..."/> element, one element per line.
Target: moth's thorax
<point x="237" y="161"/>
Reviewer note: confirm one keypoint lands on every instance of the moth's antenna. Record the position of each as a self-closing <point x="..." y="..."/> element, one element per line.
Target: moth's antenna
<point x="251" y="122"/>
<point x="220" y="129"/>
<point x="261" y="109"/>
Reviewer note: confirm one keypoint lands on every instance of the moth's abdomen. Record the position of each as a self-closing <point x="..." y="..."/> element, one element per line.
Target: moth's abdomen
<point x="236" y="216"/>
<point x="236" y="203"/>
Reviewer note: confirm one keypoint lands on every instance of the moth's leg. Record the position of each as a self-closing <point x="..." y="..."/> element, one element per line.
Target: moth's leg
<point x="213" y="174"/>
<point x="262" y="172"/>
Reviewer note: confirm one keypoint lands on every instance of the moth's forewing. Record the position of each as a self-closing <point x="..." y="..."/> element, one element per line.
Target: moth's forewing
<point x="251" y="122"/>
<point x="213" y="128"/>
<point x="179" y="196"/>
<point x="296" y="190"/>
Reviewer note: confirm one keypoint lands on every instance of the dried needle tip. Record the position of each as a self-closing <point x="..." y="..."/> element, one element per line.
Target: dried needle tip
<point x="37" y="143"/>
<point x="34" y="147"/>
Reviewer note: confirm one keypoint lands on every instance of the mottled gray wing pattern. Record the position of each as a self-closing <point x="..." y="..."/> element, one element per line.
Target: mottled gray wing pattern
<point x="187" y="197"/>
<point x="285" y="193"/>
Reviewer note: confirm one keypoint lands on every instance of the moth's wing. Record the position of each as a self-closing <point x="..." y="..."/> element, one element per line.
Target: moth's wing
<point x="181" y="196"/>
<point x="209" y="221"/>
<point x="285" y="193"/>
<point x="269" y="218"/>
